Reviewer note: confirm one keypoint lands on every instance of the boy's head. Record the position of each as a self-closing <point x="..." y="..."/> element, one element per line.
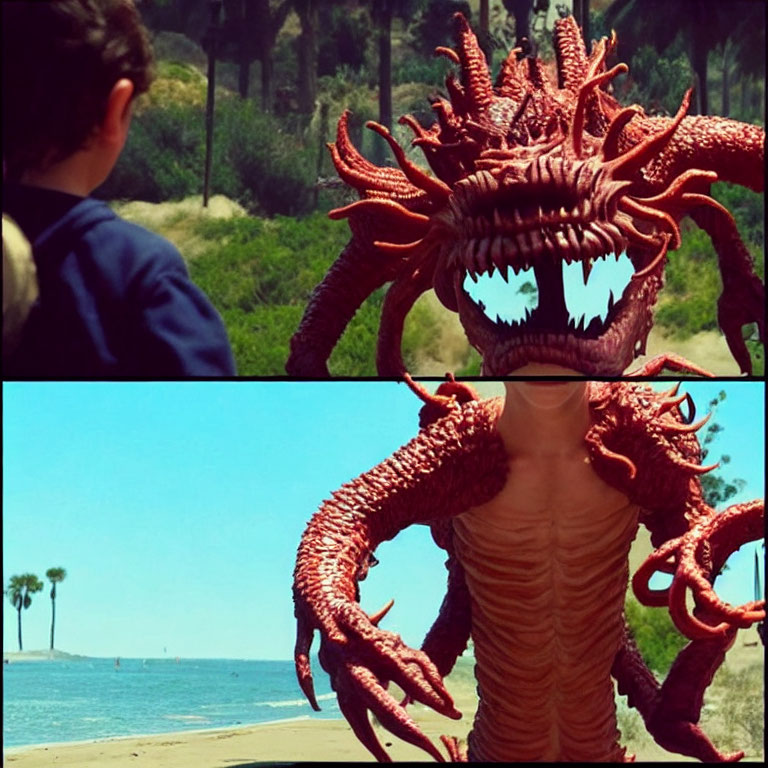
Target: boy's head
<point x="61" y="61"/>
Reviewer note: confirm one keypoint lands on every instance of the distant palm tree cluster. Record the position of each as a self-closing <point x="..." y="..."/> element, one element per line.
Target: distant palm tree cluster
<point x="21" y="588"/>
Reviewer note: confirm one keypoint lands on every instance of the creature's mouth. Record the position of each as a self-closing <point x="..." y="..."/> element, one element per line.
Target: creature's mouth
<point x="518" y="300"/>
<point x="591" y="295"/>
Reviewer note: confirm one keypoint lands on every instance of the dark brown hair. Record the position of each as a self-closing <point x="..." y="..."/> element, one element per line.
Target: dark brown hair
<point x="61" y="59"/>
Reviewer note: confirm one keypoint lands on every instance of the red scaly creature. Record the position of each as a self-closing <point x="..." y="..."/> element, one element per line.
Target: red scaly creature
<point x="537" y="542"/>
<point x="536" y="172"/>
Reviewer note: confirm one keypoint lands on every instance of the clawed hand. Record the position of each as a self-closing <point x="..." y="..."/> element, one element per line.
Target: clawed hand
<point x="361" y="659"/>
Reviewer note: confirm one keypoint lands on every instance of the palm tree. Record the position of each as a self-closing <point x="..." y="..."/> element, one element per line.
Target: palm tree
<point x="20" y="589"/>
<point x="54" y="575"/>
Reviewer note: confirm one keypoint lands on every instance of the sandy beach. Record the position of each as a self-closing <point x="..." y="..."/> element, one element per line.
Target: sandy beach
<point x="333" y="740"/>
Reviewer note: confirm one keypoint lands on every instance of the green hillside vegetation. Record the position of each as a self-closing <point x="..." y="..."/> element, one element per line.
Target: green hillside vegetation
<point x="259" y="271"/>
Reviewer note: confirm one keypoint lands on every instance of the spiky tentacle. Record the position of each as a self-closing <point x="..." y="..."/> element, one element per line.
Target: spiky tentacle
<point x="438" y="474"/>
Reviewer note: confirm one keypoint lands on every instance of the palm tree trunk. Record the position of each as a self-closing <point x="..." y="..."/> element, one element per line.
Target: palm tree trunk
<point x="53" y="613"/>
<point x="308" y="15"/>
<point x="385" y="67"/>
<point x="699" y="55"/>
<point x="19" y="610"/>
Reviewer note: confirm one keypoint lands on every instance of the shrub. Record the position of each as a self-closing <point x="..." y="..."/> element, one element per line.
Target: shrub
<point x="656" y="636"/>
<point x="254" y="161"/>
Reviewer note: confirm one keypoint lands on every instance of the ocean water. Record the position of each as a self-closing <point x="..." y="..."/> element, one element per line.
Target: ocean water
<point x="56" y="701"/>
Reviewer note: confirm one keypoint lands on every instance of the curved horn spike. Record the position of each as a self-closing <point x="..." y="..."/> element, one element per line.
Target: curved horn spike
<point x="630" y="205"/>
<point x="657" y="259"/>
<point x="644" y="150"/>
<point x="675" y="188"/>
<point x="375" y="618"/>
<point x="577" y="125"/>
<point x="449" y="53"/>
<point x="474" y="68"/>
<point x="373" y="204"/>
<point x="626" y="461"/>
<point x="672" y="426"/>
<point x="697" y="469"/>
<point x="414" y="174"/>
<point x="610" y="148"/>
<point x="666" y="405"/>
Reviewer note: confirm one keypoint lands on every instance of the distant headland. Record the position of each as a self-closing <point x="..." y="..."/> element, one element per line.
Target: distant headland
<point x="9" y="657"/>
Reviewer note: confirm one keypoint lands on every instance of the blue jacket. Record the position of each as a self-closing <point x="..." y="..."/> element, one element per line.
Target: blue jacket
<point x="116" y="300"/>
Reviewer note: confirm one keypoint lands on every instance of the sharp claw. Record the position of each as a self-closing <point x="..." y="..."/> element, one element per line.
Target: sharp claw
<point x="357" y="716"/>
<point x="375" y="618"/>
<point x="301" y="660"/>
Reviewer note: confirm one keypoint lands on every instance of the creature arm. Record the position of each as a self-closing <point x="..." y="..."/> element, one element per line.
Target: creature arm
<point x="735" y="152"/>
<point x="352" y="278"/>
<point x="444" y="470"/>
<point x="671" y="711"/>
<point x="743" y="298"/>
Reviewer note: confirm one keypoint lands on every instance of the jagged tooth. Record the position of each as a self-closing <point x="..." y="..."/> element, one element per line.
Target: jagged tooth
<point x="540" y="214"/>
<point x="497" y="218"/>
<point x="562" y="242"/>
<point x="504" y="272"/>
<point x="610" y="300"/>
<point x="481" y="260"/>
<point x="572" y="240"/>
<point x="563" y="212"/>
<point x="586" y="268"/>
<point x="472" y="274"/>
<point x="580" y="326"/>
<point x="592" y="243"/>
<point x="497" y="250"/>
<point x="517" y="218"/>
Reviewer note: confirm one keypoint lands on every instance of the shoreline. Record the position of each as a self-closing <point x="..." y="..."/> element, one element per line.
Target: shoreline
<point x="17" y="749"/>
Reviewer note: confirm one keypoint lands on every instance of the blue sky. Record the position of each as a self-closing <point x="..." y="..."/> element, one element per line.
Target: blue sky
<point x="177" y="508"/>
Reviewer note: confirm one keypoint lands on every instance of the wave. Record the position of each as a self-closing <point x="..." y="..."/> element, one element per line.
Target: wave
<point x="294" y="702"/>
<point x="196" y="718"/>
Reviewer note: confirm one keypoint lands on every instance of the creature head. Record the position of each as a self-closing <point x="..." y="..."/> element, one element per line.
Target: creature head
<point x="529" y="174"/>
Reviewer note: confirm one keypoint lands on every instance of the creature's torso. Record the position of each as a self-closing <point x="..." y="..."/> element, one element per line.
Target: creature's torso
<point x="546" y="563"/>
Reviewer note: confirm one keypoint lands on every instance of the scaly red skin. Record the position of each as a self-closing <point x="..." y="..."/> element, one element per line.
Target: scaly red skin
<point x="606" y="178"/>
<point x="639" y="442"/>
